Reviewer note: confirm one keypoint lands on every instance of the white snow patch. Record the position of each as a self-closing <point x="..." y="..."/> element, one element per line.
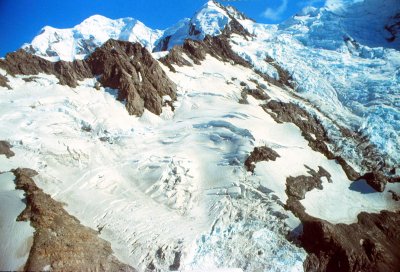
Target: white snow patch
<point x="15" y="237"/>
<point x="140" y="178"/>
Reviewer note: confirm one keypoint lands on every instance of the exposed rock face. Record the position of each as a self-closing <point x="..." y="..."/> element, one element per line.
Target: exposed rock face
<point x="309" y="125"/>
<point x="298" y="186"/>
<point x="314" y="132"/>
<point x="60" y="240"/>
<point x="5" y="149"/>
<point x="234" y="27"/>
<point x="4" y="82"/>
<point x="131" y="69"/>
<point x="125" y="66"/>
<point x="258" y="93"/>
<point x="22" y="63"/>
<point x="192" y="30"/>
<point x="371" y="244"/>
<point x="285" y="79"/>
<point x="376" y="180"/>
<point x="395" y="196"/>
<point x="217" y="46"/>
<point x="262" y="153"/>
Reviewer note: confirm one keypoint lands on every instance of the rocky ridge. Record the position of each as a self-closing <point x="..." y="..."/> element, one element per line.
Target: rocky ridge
<point x="197" y="28"/>
<point x="60" y="242"/>
<point x="371" y="244"/>
<point x="334" y="249"/>
<point x="316" y="135"/>
<point x="216" y="46"/>
<point x="125" y="66"/>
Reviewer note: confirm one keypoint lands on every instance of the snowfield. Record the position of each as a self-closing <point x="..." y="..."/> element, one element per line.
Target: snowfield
<point x="175" y="184"/>
<point x="341" y="61"/>
<point x="16" y="237"/>
<point x="339" y="57"/>
<point x="171" y="191"/>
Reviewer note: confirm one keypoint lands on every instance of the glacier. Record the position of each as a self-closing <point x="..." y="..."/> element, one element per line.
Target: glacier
<point x="340" y="56"/>
<point x="173" y="187"/>
<point x="338" y="65"/>
<point x="155" y="185"/>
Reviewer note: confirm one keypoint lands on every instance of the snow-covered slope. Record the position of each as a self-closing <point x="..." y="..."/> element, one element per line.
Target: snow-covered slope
<point x="365" y="22"/>
<point x="175" y="184"/>
<point x="340" y="60"/>
<point x="77" y="42"/>
<point x="211" y="19"/>
<point x="172" y="191"/>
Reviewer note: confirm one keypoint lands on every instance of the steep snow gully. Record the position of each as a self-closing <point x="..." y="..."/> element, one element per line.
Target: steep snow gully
<point x="219" y="144"/>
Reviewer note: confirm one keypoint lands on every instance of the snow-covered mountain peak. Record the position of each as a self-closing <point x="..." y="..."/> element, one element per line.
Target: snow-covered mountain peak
<point x="98" y="18"/>
<point x="211" y="19"/>
<point x="77" y="42"/>
<point x="243" y="140"/>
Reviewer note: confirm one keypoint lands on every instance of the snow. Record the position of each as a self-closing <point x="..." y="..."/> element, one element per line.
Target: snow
<point x="342" y="203"/>
<point x="148" y="175"/>
<point x="348" y="73"/>
<point x="176" y="182"/>
<point x="211" y="19"/>
<point x="75" y="43"/>
<point x="15" y="237"/>
<point x="139" y="178"/>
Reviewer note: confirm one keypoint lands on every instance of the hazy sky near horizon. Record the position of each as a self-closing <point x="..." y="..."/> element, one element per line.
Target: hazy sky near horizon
<point x="22" y="20"/>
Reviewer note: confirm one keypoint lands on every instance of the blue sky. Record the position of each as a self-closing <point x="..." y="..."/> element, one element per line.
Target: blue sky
<point x="21" y="20"/>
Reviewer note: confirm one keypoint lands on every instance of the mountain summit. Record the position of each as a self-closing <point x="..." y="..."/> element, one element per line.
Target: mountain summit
<point x="218" y="143"/>
<point x="77" y="42"/>
<point x="211" y="20"/>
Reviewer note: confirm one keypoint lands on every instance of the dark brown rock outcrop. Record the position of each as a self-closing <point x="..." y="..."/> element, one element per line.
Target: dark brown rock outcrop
<point x="60" y="241"/>
<point x="217" y="47"/>
<point x="312" y="130"/>
<point x="22" y="63"/>
<point x="371" y="244"/>
<point x="376" y="180"/>
<point x="131" y="69"/>
<point x="234" y="27"/>
<point x="262" y="153"/>
<point x="5" y="149"/>
<point x="297" y="187"/>
<point x="285" y="78"/>
<point x="309" y="125"/>
<point x="258" y="93"/>
<point x="316" y="135"/>
<point x="4" y="82"/>
<point x="125" y="66"/>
